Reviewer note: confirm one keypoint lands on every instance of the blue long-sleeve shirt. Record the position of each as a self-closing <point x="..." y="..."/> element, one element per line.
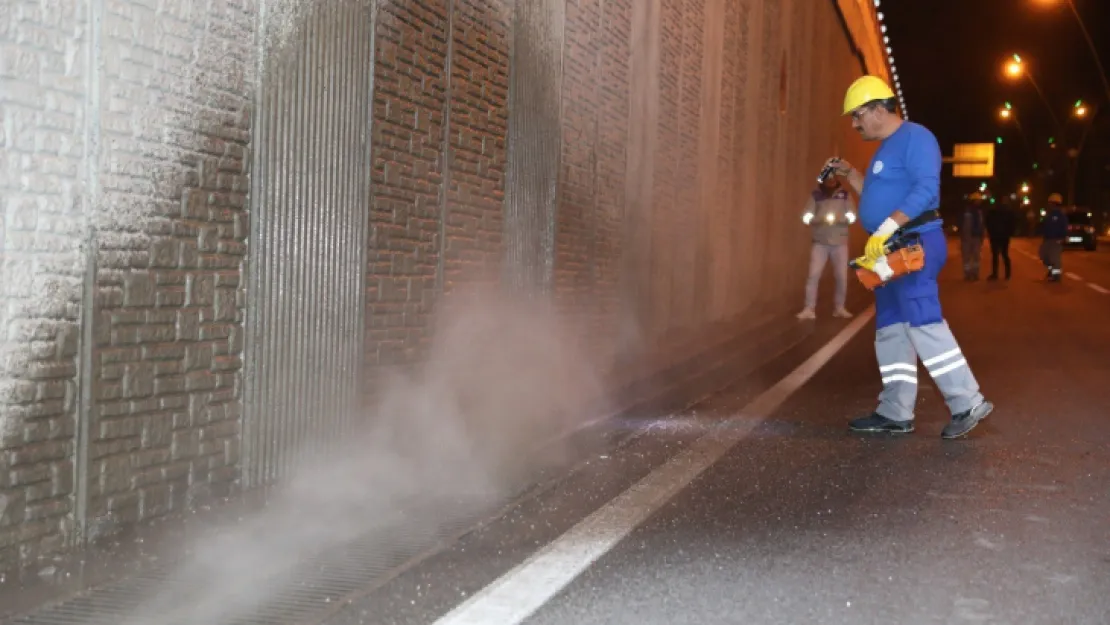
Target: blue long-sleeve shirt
<point x="904" y="175"/>
<point x="1055" y="224"/>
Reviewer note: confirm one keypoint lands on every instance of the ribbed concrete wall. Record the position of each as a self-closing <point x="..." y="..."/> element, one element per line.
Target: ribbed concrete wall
<point x="641" y="163"/>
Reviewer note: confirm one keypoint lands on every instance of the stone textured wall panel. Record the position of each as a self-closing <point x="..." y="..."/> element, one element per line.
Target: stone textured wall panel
<point x="171" y="224"/>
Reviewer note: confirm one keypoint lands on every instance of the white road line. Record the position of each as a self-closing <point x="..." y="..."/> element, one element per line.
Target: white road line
<point x="1100" y="289"/>
<point x="1074" y="276"/>
<point x="516" y="595"/>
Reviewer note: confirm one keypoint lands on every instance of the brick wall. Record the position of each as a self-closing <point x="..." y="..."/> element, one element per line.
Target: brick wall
<point x="664" y="159"/>
<point x="42" y="143"/>
<point x="172" y="228"/>
<point x="697" y="228"/>
<point x="729" y="122"/>
<point x="476" y="147"/>
<point x="410" y="93"/>
<point x="164" y="102"/>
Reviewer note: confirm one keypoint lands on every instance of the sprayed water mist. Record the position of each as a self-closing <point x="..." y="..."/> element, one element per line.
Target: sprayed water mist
<point x="504" y="379"/>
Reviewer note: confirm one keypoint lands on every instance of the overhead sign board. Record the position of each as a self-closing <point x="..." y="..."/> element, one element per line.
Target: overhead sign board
<point x="972" y="160"/>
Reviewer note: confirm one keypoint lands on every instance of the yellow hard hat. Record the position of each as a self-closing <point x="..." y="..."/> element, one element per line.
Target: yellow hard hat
<point x="1055" y="199"/>
<point x="866" y="89"/>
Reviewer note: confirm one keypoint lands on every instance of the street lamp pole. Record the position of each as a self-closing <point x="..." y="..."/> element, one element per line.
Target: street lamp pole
<point x="1079" y="112"/>
<point x="1016" y="68"/>
<point x="1091" y="46"/>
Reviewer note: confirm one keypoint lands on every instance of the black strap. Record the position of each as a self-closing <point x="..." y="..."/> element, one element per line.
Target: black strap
<point x="902" y="237"/>
<point x="920" y="220"/>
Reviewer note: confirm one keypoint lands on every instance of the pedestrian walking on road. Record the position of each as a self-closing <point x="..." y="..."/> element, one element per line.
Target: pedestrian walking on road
<point x="828" y="213"/>
<point x="901" y="193"/>
<point x="1055" y="230"/>
<point x="1001" y="222"/>
<point x="971" y="236"/>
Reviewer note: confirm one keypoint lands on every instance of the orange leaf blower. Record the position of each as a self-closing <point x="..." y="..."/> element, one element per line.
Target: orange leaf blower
<point x="904" y="255"/>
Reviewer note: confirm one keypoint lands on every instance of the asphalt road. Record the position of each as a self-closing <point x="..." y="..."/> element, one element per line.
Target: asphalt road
<point x="1090" y="269"/>
<point x="795" y="520"/>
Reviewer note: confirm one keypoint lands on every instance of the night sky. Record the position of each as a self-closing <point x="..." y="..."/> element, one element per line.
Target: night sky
<point x="949" y="55"/>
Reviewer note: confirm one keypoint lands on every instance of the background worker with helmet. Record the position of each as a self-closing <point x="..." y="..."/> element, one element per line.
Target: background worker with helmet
<point x="901" y="193"/>
<point x="828" y="213"/>
<point x="971" y="236"/>
<point x="1054" y="230"/>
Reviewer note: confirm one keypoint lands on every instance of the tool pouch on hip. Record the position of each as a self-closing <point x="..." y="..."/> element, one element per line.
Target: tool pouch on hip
<point x="903" y="257"/>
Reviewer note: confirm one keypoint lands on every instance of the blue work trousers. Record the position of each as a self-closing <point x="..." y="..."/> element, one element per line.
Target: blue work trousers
<point x="910" y="326"/>
<point x="914" y="299"/>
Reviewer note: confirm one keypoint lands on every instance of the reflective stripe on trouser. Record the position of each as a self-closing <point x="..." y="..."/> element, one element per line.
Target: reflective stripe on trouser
<point x="898" y="347"/>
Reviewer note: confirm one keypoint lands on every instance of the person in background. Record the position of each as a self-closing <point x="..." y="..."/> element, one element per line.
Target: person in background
<point x="1054" y="229"/>
<point x="971" y="236"/>
<point x="828" y="213"/>
<point x="1000" y="223"/>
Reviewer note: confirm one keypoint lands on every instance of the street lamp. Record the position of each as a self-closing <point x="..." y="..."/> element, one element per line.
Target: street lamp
<point x="1015" y="68"/>
<point x="1080" y="112"/>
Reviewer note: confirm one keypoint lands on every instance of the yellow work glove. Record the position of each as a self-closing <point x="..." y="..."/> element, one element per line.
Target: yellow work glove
<point x="866" y="263"/>
<point x="876" y="245"/>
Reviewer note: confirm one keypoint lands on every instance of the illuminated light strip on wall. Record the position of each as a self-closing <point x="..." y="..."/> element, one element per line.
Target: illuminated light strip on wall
<point x="890" y="60"/>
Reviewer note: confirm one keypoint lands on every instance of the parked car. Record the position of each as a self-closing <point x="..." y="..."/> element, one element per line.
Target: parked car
<point x="1081" y="231"/>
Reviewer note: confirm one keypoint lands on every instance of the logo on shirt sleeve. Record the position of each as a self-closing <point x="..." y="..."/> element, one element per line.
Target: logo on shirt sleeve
<point x="877" y="167"/>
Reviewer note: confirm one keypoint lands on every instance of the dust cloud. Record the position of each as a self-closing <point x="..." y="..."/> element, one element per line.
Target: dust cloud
<point x="504" y="381"/>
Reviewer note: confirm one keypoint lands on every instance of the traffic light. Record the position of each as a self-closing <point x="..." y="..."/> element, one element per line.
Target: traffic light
<point x="998" y="140"/>
<point x="1008" y="106"/>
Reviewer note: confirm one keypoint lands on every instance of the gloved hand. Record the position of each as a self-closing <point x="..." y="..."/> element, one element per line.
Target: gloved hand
<point x="876" y="244"/>
<point x="866" y="263"/>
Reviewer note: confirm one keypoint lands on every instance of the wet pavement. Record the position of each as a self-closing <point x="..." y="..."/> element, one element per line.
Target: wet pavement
<point x="803" y="522"/>
<point x="789" y="518"/>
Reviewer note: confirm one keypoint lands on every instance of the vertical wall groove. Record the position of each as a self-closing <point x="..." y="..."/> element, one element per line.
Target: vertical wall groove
<point x="87" y="339"/>
<point x="308" y="233"/>
<point x="534" y="144"/>
<point x="445" y="150"/>
<point x="639" y="213"/>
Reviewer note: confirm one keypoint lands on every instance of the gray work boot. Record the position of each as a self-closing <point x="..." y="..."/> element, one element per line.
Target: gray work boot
<point x="876" y="422"/>
<point x="966" y="421"/>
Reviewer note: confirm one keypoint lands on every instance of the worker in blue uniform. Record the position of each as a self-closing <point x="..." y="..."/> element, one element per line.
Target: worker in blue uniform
<point x="1055" y="230"/>
<point x="900" y="192"/>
